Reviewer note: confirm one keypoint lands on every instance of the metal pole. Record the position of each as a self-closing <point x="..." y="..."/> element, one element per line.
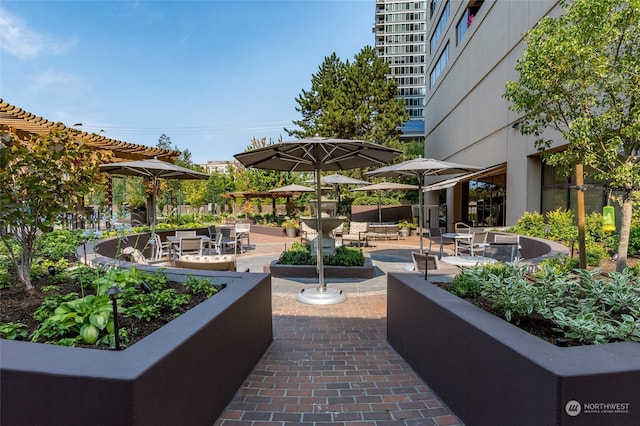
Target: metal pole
<point x="322" y="286"/>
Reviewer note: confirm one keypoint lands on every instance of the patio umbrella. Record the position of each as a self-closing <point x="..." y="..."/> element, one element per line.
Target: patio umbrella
<point x="287" y="191"/>
<point x="419" y="168"/>
<point x="337" y="179"/>
<point x="384" y="186"/>
<point x="153" y="169"/>
<point x="317" y="154"/>
<point x="293" y="188"/>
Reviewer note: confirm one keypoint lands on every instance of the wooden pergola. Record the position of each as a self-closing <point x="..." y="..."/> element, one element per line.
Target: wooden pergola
<point x="24" y="125"/>
<point x="259" y="194"/>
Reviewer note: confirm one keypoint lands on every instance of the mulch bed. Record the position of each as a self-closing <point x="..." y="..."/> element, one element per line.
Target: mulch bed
<point x="18" y="306"/>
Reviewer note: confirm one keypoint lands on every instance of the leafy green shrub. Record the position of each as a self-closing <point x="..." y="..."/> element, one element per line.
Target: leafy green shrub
<point x="200" y="286"/>
<point x="558" y="265"/>
<point x="532" y="224"/>
<point x="561" y="225"/>
<point x="58" y="244"/>
<point x="465" y="284"/>
<point x="634" y="242"/>
<point x="595" y="253"/>
<point x="593" y="309"/>
<point x="13" y="330"/>
<point x="345" y="256"/>
<point x="584" y="306"/>
<point x="371" y="200"/>
<point x="5" y="276"/>
<point x="593" y="227"/>
<point x="298" y="254"/>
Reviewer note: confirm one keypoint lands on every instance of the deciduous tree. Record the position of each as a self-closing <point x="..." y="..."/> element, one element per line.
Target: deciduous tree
<point x="580" y="75"/>
<point x="39" y="180"/>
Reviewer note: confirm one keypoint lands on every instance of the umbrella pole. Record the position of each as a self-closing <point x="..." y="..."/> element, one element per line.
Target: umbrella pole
<point x="379" y="208"/>
<point x="153" y="207"/>
<point x="322" y="286"/>
<point x="420" y="209"/>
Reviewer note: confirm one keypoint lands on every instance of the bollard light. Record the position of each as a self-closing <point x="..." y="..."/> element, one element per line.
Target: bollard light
<point x="113" y="293"/>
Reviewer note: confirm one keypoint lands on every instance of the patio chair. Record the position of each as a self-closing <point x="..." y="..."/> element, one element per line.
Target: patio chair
<point x="215" y="243"/>
<point x="475" y="244"/>
<point x="307" y="233"/>
<point x="357" y="232"/>
<point x="461" y="228"/>
<point x="161" y="249"/>
<point x="501" y="252"/>
<point x="435" y="236"/>
<point x="337" y="232"/>
<point x="190" y="245"/>
<point x="185" y="233"/>
<point x="230" y="239"/>
<point x="423" y="262"/>
<point x="243" y="232"/>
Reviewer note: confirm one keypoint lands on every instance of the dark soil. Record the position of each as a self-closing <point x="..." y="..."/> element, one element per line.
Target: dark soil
<point x="18" y="306"/>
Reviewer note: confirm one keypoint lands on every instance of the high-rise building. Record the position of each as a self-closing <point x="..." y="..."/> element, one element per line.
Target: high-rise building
<point x="400" y="40"/>
<point x="473" y="46"/>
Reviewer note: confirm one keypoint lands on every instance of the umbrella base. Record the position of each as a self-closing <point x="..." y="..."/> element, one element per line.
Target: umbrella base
<point x="314" y="297"/>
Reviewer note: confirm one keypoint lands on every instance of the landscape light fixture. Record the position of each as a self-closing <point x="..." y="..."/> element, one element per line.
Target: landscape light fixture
<point x="52" y="270"/>
<point x="144" y="286"/>
<point x="113" y="293"/>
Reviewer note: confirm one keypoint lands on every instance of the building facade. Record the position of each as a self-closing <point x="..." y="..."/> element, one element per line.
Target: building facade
<point x="400" y="34"/>
<point x="473" y="46"/>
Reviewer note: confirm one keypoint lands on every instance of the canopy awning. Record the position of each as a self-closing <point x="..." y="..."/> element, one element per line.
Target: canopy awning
<point x="482" y="174"/>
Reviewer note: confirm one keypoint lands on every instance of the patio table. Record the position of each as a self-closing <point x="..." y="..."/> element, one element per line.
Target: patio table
<point x="455" y="236"/>
<point x="462" y="261"/>
<point x="175" y="241"/>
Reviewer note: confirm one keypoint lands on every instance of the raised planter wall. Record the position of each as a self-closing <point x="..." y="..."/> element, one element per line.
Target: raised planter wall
<point x="184" y="373"/>
<point x="368" y="213"/>
<point x="491" y="372"/>
<point x="310" y="271"/>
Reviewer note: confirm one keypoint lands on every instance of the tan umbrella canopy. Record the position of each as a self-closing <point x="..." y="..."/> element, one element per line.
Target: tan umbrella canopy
<point x="337" y="179"/>
<point x="317" y="154"/>
<point x="384" y="186"/>
<point x="153" y="169"/>
<point x="419" y="168"/>
<point x="292" y="188"/>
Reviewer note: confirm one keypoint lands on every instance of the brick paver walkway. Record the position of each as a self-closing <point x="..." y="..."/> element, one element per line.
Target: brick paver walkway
<point x="332" y="365"/>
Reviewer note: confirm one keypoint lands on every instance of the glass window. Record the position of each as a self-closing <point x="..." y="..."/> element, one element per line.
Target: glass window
<point x="439" y="27"/>
<point x="439" y="67"/>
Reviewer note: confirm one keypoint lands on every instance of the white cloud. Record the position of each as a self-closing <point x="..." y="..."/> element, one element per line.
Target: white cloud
<point x="20" y="41"/>
<point x="50" y="78"/>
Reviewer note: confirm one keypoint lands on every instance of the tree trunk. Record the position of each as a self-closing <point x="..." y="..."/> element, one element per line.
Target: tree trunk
<point x="24" y="271"/>
<point x="625" y="228"/>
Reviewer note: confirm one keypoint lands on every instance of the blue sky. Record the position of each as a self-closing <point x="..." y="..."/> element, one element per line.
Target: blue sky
<point x="209" y="74"/>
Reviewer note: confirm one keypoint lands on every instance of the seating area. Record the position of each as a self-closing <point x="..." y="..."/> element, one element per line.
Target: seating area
<point x="225" y="262"/>
<point x="382" y="231"/>
<point x="357" y="233"/>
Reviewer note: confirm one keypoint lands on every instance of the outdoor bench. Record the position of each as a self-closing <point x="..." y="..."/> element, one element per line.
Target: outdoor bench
<point x="382" y="230"/>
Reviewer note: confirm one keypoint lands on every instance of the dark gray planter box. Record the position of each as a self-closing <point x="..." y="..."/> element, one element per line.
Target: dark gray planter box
<point x="309" y="271"/>
<point x="183" y="374"/>
<point x="491" y="372"/>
